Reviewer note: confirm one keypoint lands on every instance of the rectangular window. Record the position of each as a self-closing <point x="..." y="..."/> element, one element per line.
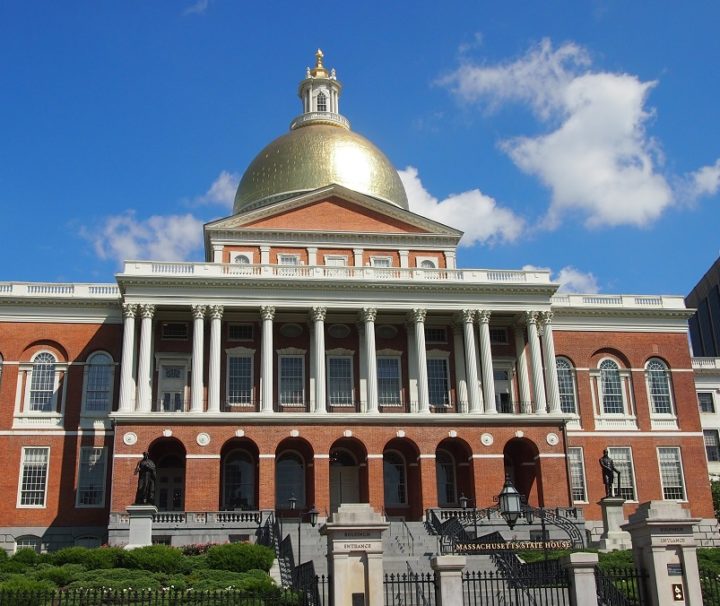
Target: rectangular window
<point x="671" y="473"/>
<point x="33" y="477"/>
<point x="622" y="457"/>
<point x="98" y="387"/>
<point x="240" y="332"/>
<point x="91" y="477"/>
<point x="498" y="335"/>
<point x="288" y="260"/>
<point x="380" y="261"/>
<point x="388" y="373"/>
<point x="239" y="390"/>
<point x="712" y="444"/>
<point x="705" y="401"/>
<point x="435" y="334"/>
<point x="577" y="474"/>
<point x="339" y="376"/>
<point x="292" y="380"/>
<point x="438" y="382"/>
<point x="174" y="331"/>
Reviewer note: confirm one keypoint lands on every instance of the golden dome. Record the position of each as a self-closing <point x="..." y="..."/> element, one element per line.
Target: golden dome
<point x="313" y="156"/>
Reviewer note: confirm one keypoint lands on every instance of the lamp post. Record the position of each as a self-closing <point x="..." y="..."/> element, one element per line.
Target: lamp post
<point x="510" y="503"/>
<point x="312" y="514"/>
<point x="464" y="503"/>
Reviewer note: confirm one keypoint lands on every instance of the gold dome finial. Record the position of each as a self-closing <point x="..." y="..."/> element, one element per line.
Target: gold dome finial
<point x="319" y="70"/>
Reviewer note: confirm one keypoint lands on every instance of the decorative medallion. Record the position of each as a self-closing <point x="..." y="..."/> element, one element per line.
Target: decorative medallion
<point x="167" y="432"/>
<point x="487" y="439"/>
<point x="452" y="433"/>
<point x="347" y="433"/>
<point x="203" y="439"/>
<point x="294" y="433"/>
<point x="519" y="434"/>
<point x="552" y="439"/>
<point x="240" y="433"/>
<point x="400" y="433"/>
<point x="130" y="438"/>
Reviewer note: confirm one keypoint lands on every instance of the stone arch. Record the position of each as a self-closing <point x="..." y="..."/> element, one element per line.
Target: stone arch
<point x="348" y="475"/>
<point x="294" y="475"/>
<point x="522" y="464"/>
<point x="169" y="456"/>
<point x="409" y="454"/>
<point x="454" y="471"/>
<point x="239" y="481"/>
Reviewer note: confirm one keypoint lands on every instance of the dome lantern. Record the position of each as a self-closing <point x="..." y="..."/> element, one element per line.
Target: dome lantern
<point x="320" y="95"/>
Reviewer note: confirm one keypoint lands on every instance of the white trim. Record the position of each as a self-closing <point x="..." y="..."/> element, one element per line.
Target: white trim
<point x="551" y="455"/>
<point x="635" y="434"/>
<point x="127" y="456"/>
<point x="268" y="456"/>
<point x="378" y="456"/>
<point x="488" y="456"/>
<point x="427" y="456"/>
<point x="56" y="432"/>
<point x="321" y="456"/>
<point x="202" y="456"/>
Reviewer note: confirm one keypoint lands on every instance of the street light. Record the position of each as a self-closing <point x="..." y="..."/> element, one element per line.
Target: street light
<point x="312" y="514"/>
<point x="510" y="503"/>
<point x="464" y="503"/>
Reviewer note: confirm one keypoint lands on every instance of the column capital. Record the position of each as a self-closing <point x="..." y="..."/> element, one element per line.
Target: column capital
<point x="318" y="314"/>
<point x="129" y="310"/>
<point x="546" y="317"/>
<point x="267" y="312"/>
<point x="216" y="311"/>
<point x="147" y="310"/>
<point x="417" y="314"/>
<point x="467" y="316"/>
<point x="368" y="314"/>
<point x="531" y="317"/>
<point x="483" y="316"/>
<point x="198" y="311"/>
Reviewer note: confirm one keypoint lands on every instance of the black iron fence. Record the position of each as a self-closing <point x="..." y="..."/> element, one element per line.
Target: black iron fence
<point x="710" y="586"/>
<point x="533" y="588"/>
<point x="621" y="587"/>
<point x="410" y="589"/>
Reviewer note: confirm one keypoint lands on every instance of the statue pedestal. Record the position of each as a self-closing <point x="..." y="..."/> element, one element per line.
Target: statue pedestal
<point x="613" y="537"/>
<point x="141" y="520"/>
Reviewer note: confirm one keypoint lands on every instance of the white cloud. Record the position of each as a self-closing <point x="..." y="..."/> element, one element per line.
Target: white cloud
<point x="160" y="238"/>
<point x="597" y="158"/>
<point x="478" y="215"/>
<point x="222" y="191"/>
<point x="705" y="181"/>
<point x="571" y="279"/>
<point x="197" y="8"/>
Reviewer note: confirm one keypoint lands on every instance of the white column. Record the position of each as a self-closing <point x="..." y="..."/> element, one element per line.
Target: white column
<point x="216" y="314"/>
<point x="412" y="367"/>
<point x="127" y="384"/>
<point x="468" y="317"/>
<point x="487" y="364"/>
<point x="404" y="258"/>
<point x="536" y="362"/>
<point x="551" y="379"/>
<point x="217" y="253"/>
<point x="267" y="313"/>
<point x="461" y="382"/>
<point x="144" y="391"/>
<point x="198" y="362"/>
<point x="368" y="316"/>
<point x="522" y="370"/>
<point x="418" y="316"/>
<point x="358" y="257"/>
<point x="265" y="255"/>
<point x="363" y="368"/>
<point x="312" y="255"/>
<point x="318" y="317"/>
<point x="450" y="259"/>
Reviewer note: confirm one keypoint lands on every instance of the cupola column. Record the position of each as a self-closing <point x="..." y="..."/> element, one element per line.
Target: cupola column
<point x="318" y="317"/>
<point x="468" y="319"/>
<point x="368" y="316"/>
<point x="127" y="374"/>
<point x="144" y="396"/>
<point x="536" y="362"/>
<point x="522" y="370"/>
<point x="198" y="362"/>
<point x="418" y="317"/>
<point x="216" y="313"/>
<point x="461" y="377"/>
<point x="267" y="312"/>
<point x="551" y="379"/>
<point x="487" y="363"/>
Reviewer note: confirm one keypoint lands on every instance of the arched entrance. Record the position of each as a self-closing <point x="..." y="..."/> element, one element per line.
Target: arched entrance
<point x="401" y="480"/>
<point x="348" y="473"/>
<point x="294" y="475"/>
<point x="453" y="471"/>
<point x="238" y="475"/>
<point x="522" y="463"/>
<point x="169" y="457"/>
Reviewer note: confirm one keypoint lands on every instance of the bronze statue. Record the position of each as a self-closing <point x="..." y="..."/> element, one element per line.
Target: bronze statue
<point x="608" y="471"/>
<point x="145" y="470"/>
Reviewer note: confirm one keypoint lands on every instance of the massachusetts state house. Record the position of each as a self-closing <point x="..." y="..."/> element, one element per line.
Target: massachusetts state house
<point x="329" y="349"/>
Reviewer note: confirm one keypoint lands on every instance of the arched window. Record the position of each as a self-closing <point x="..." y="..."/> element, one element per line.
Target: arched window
<point x="321" y="102"/>
<point x="566" y="385"/>
<point x="290" y="480"/>
<point x="242" y="260"/>
<point x="98" y="383"/>
<point x="446" y="482"/>
<point x="42" y="383"/>
<point x="611" y="386"/>
<point x="29" y="541"/>
<point x="394" y="478"/>
<point x="427" y="264"/>
<point x="658" y="382"/>
<point x="239" y="481"/>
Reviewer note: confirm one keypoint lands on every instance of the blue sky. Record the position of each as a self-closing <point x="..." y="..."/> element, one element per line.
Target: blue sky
<point x="578" y="136"/>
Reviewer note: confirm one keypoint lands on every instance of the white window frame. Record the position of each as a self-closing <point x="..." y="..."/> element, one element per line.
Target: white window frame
<point x="717" y="440"/>
<point x="291" y="352"/>
<point x="390" y="354"/>
<point x="23" y="459"/>
<point x="111" y="384"/>
<point x="239" y="352"/>
<point x="23" y="415"/>
<point x="103" y="454"/>
<point x="239" y="255"/>
<point x="337" y="356"/>
<point x="29" y="541"/>
<point x="420" y="260"/>
<point x="712" y="402"/>
<point x="289" y="259"/>
<point x="163" y="360"/>
<point x="682" y="473"/>
<point x="375" y="261"/>
<point x="581" y="462"/>
<point x="625" y="420"/>
<point x="573" y="378"/>
<point x="661" y="420"/>
<point x="435" y="354"/>
<point x="632" y="469"/>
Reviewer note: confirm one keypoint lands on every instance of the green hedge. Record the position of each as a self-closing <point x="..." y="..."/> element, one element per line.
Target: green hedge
<point x="156" y="558"/>
<point x="240" y="557"/>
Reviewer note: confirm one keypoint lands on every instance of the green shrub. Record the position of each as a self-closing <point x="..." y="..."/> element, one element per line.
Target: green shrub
<point x="196" y="549"/>
<point x="69" y="555"/>
<point x="116" y="579"/>
<point x="156" y="558"/>
<point x="13" y="566"/>
<point x="25" y="555"/>
<point x="3" y="555"/>
<point x="616" y="559"/>
<point x="216" y="580"/>
<point x="709" y="561"/>
<point x="99" y="557"/>
<point x="59" y="575"/>
<point x="240" y="557"/>
<point x="20" y="582"/>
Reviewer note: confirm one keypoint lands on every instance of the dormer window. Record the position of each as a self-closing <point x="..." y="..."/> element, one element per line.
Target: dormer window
<point x="321" y="102"/>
